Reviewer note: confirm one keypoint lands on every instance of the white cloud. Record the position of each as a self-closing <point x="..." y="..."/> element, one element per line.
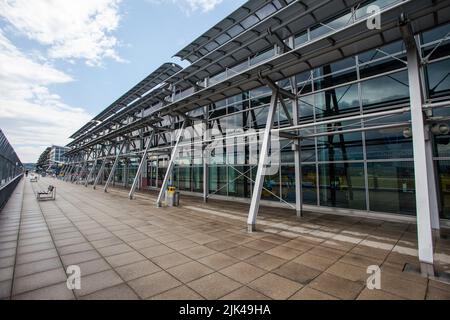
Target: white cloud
<point x="80" y="29"/>
<point x="190" y="6"/>
<point x="31" y="115"/>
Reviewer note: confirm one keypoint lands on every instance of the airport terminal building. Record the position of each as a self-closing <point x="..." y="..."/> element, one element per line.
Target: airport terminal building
<point x="338" y="106"/>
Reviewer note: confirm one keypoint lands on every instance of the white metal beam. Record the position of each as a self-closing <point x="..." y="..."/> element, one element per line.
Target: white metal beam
<point x="297" y="156"/>
<point x="91" y="172"/>
<point x="263" y="158"/>
<point x="68" y="172"/>
<point x="206" y="157"/>
<point x="113" y="169"/>
<point x="170" y="166"/>
<point x="423" y="203"/>
<point x="141" y="165"/>
<point x="102" y="168"/>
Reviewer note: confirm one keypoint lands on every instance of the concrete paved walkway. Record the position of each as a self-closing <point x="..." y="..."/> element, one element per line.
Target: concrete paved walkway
<point x="132" y="250"/>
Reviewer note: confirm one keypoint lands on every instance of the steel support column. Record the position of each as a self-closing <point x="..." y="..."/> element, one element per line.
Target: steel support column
<point x="66" y="167"/>
<point x="100" y="173"/>
<point x="141" y="165"/>
<point x="79" y="172"/>
<point x="170" y="166"/>
<point x="113" y="169"/>
<point x="425" y="235"/>
<point x="91" y="172"/>
<point x="206" y="157"/>
<point x="67" y="173"/>
<point x="102" y="168"/>
<point x="297" y="156"/>
<point x="263" y="159"/>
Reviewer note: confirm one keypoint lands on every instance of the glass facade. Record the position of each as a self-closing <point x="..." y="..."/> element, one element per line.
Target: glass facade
<point x="343" y="165"/>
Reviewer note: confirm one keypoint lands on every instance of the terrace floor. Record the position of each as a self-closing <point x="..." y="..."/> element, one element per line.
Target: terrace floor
<point x="132" y="250"/>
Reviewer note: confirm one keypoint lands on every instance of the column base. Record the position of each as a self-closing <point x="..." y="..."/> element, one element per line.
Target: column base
<point x="299" y="214"/>
<point x="427" y="269"/>
<point x="251" y="228"/>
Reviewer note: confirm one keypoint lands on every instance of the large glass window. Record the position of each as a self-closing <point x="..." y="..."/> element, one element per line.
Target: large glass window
<point x="338" y="101"/>
<point x="340" y="147"/>
<point x="437" y="42"/>
<point x="288" y="183"/>
<point x="385" y="59"/>
<point x="442" y="145"/>
<point x="308" y="150"/>
<point x="218" y="180"/>
<point x="197" y="179"/>
<point x="389" y="143"/>
<point x="438" y="76"/>
<point x="342" y="185"/>
<point x="385" y="91"/>
<point x="271" y="190"/>
<point x="184" y="178"/>
<point x="306" y="108"/>
<point x="392" y="188"/>
<point x="238" y="183"/>
<point x="309" y="184"/>
<point x="444" y="182"/>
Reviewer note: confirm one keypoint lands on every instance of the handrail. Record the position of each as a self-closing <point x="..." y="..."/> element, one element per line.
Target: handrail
<point x="7" y="190"/>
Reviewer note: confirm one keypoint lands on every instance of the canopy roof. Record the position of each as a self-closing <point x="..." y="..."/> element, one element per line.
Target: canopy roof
<point x="155" y="79"/>
<point x="335" y="44"/>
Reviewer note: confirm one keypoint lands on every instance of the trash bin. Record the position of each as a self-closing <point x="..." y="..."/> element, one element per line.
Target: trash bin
<point x="172" y="197"/>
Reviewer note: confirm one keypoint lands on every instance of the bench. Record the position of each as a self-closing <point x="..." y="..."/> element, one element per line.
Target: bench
<point x="50" y="194"/>
<point x="34" y="179"/>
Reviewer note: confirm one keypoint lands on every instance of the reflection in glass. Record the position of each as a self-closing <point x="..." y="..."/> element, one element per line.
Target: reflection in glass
<point x="184" y="178"/>
<point x="444" y="182"/>
<point x="438" y="75"/>
<point x="385" y="91"/>
<point x="218" y="180"/>
<point x="309" y="184"/>
<point x="340" y="147"/>
<point x="306" y="108"/>
<point x="342" y="185"/>
<point x="308" y="150"/>
<point x="271" y="188"/>
<point x="389" y="143"/>
<point x="197" y="179"/>
<point x="238" y="183"/>
<point x="442" y="146"/>
<point x="337" y="101"/>
<point x="288" y="183"/>
<point x="392" y="188"/>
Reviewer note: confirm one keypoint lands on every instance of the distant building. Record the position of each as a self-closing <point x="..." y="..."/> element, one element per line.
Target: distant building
<point x="56" y="159"/>
<point x="57" y="155"/>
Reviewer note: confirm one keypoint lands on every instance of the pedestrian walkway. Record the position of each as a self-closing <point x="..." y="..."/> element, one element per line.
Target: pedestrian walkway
<point x="132" y="250"/>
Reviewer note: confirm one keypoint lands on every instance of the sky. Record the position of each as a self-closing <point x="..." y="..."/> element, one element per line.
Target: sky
<point x="62" y="62"/>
